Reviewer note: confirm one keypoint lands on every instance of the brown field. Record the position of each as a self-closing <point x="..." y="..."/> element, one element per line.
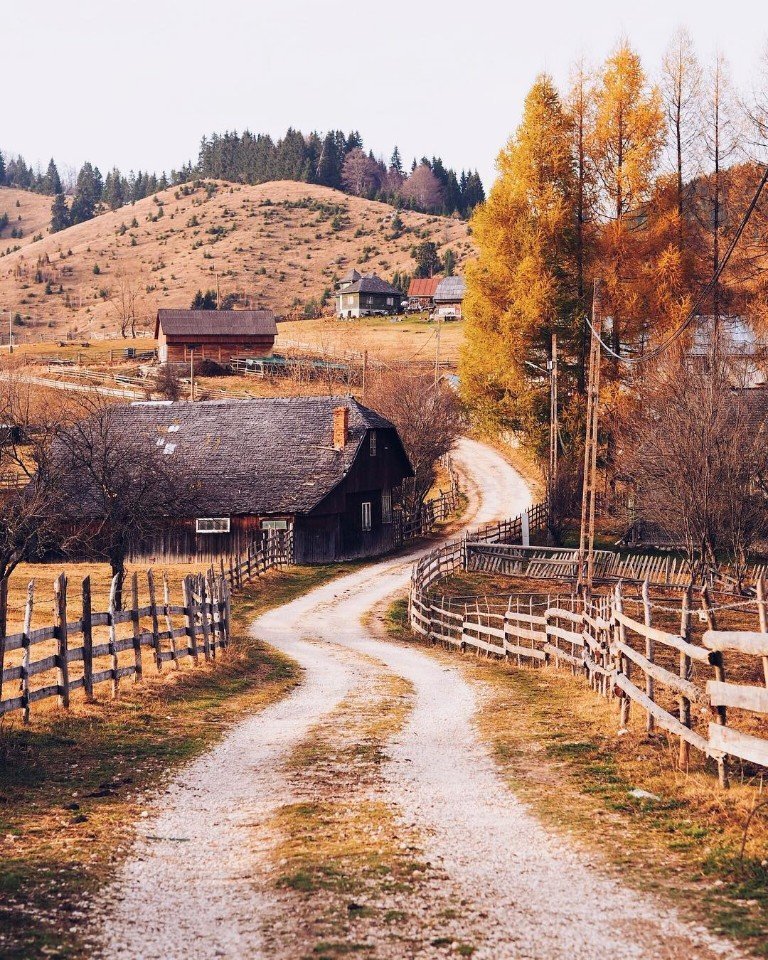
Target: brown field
<point x="279" y="245"/>
<point x="29" y="211"/>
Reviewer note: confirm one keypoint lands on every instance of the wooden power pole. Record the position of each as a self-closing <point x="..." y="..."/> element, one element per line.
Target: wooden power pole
<point x="553" y="421"/>
<point x="587" y="534"/>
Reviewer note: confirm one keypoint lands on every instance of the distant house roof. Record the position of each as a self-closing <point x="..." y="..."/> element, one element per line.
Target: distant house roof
<point x="423" y="286"/>
<point x="450" y="290"/>
<point x="256" y="457"/>
<point x="736" y="336"/>
<point x="370" y="283"/>
<point x="209" y="323"/>
<point x="351" y="276"/>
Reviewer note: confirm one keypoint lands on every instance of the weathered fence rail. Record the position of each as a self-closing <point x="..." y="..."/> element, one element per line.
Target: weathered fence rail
<point x="612" y="640"/>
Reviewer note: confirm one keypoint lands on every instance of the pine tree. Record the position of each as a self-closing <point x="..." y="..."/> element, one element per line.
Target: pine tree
<point x="51" y="182"/>
<point x="60" y="216"/>
<point x="396" y="161"/>
<point x="88" y="192"/>
<point x="2" y="169"/>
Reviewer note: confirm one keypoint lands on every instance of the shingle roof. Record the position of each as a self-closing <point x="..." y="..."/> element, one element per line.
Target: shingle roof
<point x="227" y="323"/>
<point x="257" y="457"/>
<point x="450" y="289"/>
<point x="423" y="287"/>
<point x="350" y="276"/>
<point x="373" y="284"/>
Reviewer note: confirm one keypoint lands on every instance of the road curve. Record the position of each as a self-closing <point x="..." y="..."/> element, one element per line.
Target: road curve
<point x="526" y="894"/>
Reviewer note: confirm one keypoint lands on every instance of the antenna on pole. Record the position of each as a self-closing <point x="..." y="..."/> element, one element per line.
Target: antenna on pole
<point x="587" y="534"/>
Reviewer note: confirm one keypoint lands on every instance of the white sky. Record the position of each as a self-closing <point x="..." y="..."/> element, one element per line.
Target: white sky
<point x="137" y="83"/>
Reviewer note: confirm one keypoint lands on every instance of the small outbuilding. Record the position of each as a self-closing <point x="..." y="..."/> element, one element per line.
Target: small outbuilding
<point x="217" y="335"/>
<point x="327" y="469"/>
<point x="449" y="298"/>
<point x="421" y="293"/>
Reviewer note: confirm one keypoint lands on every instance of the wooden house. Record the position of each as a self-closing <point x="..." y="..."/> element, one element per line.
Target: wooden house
<point x="213" y="334"/>
<point x="421" y="293"/>
<point x="449" y="298"/>
<point x="367" y="296"/>
<point x="325" y="468"/>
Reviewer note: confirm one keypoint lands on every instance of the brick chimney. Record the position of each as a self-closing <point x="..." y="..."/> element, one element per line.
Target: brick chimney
<point x="340" y="427"/>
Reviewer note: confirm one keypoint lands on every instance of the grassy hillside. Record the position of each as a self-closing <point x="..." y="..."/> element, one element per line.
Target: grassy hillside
<point x="278" y="245"/>
<point x="28" y="212"/>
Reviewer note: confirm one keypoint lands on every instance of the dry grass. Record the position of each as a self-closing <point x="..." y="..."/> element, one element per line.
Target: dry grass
<point x="30" y="212"/>
<point x="71" y="782"/>
<point x="558" y="746"/>
<point x="278" y="243"/>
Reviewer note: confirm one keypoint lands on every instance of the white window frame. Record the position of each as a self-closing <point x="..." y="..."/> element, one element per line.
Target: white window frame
<point x="274" y="524"/>
<point x="367" y="516"/>
<point x="386" y="506"/>
<point x="372" y="443"/>
<point x="212" y="525"/>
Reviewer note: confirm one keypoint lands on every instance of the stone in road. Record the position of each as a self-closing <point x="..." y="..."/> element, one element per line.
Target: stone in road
<point x="527" y="894"/>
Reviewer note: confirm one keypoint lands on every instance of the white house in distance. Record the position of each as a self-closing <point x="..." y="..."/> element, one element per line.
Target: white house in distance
<point x="449" y="298"/>
<point x="366" y="295"/>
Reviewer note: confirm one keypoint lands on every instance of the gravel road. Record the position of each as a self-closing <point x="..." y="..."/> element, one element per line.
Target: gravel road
<point x="202" y="854"/>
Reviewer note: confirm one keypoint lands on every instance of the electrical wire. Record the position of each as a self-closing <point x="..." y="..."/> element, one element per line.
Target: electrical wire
<point x="694" y="311"/>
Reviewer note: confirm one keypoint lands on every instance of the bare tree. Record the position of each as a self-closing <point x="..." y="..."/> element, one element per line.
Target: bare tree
<point x="30" y="488"/>
<point x="423" y="189"/>
<point x="121" y="489"/>
<point x="125" y="300"/>
<point x="696" y="451"/>
<point x="427" y="416"/>
<point x="360" y="173"/>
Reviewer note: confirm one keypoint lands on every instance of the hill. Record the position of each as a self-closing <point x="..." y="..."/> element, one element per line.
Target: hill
<point x="28" y="214"/>
<point x="278" y="245"/>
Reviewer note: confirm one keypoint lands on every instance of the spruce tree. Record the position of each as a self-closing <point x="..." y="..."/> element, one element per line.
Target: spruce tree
<point x="396" y="161"/>
<point x="51" y="182"/>
<point x="60" y="216"/>
<point x="2" y="169"/>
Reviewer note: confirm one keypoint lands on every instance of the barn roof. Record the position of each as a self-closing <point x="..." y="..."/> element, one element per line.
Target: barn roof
<point x="266" y="456"/>
<point x="207" y="323"/>
<point x="450" y="290"/>
<point x="423" y="286"/>
<point x="370" y="283"/>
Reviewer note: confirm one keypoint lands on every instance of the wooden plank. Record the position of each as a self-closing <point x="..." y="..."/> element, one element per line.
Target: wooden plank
<point x="62" y="636"/>
<point x="741" y="696"/>
<point x="113" y="636"/>
<point x="699" y="654"/>
<point x="167" y="613"/>
<point x="738" y="744"/>
<point x="101" y="675"/>
<point x="7" y="706"/>
<point x="664" y="719"/>
<point x="87" y="638"/>
<point x="485" y="631"/>
<point x="99" y="619"/>
<point x="14" y="641"/>
<point x="77" y="684"/>
<point x="28" y="611"/>
<point x="672" y="680"/>
<point x="562" y="634"/>
<point x="737" y="641"/>
<point x="531" y="652"/>
<point x="562" y="655"/>
<point x="556" y="613"/>
<point x="12" y="673"/>
<point x="135" y="629"/>
<point x="53" y="690"/>
<point x="525" y="618"/>
<point x="42" y="666"/>
<point x="41" y="634"/>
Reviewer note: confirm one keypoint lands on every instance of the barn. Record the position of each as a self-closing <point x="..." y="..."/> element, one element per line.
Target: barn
<point x="421" y="293"/>
<point x="217" y="335"/>
<point x="326" y="468"/>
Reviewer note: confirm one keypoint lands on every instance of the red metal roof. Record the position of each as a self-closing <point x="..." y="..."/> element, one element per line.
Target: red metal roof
<point x="424" y="287"/>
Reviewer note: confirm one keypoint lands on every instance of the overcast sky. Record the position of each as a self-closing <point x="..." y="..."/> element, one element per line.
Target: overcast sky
<point x="138" y="83"/>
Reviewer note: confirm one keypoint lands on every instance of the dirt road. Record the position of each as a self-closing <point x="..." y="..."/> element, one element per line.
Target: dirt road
<point x="207" y="854"/>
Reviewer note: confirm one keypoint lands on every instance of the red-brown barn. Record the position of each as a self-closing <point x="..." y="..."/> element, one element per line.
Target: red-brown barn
<point x="214" y="334"/>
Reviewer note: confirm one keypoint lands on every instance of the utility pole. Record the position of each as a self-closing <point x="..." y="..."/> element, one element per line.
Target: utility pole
<point x="553" y="421"/>
<point x="10" y="331"/>
<point x="587" y="535"/>
<point x="437" y="354"/>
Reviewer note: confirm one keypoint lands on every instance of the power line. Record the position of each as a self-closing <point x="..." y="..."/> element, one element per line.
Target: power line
<point x="694" y="311"/>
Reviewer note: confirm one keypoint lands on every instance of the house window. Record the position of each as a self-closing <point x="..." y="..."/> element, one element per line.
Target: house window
<point x="390" y="301"/>
<point x="212" y="525"/>
<point x="274" y="524"/>
<point x="386" y="506"/>
<point x="367" y="515"/>
<point x="372" y="443"/>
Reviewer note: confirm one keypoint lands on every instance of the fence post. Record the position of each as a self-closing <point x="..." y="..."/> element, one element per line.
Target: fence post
<point x="204" y="618"/>
<point x="650" y="650"/>
<point x="716" y="659"/>
<point x="87" y="639"/>
<point x="60" y="625"/>
<point x="3" y="627"/>
<point x="169" y="619"/>
<point x="113" y="637"/>
<point x="189" y="617"/>
<point x="135" y="627"/>
<point x="685" y="671"/>
<point x="25" y="649"/>
<point x="155" y="624"/>
<point x="622" y="663"/>
<point x="227" y="596"/>
<point x="761" y="609"/>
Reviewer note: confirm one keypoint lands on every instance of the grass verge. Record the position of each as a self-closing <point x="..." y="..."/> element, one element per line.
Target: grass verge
<point x="557" y="745"/>
<point x="71" y="782"/>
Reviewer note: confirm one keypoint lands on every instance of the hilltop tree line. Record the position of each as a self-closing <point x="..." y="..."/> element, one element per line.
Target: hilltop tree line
<point x="635" y="181"/>
<point x="338" y="160"/>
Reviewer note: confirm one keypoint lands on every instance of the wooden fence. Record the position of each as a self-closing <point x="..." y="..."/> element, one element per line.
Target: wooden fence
<point x="630" y="648"/>
<point x="67" y="655"/>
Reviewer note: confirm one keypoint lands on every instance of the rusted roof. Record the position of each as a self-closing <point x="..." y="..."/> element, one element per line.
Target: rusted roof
<point x="423" y="286"/>
<point x="210" y="323"/>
